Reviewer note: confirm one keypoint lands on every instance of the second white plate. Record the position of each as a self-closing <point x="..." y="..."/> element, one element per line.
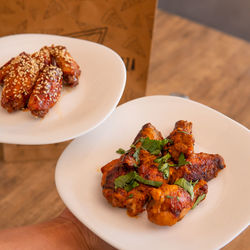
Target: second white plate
<point x="79" y="109"/>
<point x="215" y="222"/>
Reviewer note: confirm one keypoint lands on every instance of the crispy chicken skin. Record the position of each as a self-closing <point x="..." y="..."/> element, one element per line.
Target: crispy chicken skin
<point x="46" y="92"/>
<point x="170" y="203"/>
<point x="203" y="166"/>
<point x="19" y="82"/>
<point x="63" y="59"/>
<point x="183" y="141"/>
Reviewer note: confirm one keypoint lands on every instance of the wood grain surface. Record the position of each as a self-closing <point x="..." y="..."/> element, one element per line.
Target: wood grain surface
<point x="208" y="66"/>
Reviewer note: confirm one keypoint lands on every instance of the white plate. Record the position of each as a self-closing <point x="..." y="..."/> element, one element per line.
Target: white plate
<point x="79" y="109"/>
<point x="215" y="222"/>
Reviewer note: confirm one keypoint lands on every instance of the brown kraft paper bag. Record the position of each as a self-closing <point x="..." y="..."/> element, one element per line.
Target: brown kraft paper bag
<point x="124" y="25"/>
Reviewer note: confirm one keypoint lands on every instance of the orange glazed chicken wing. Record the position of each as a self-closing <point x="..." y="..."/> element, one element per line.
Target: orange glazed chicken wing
<point x="202" y="166"/>
<point x="46" y="92"/>
<point x="71" y="70"/>
<point x="148" y="130"/>
<point x="170" y="203"/>
<point x="183" y="141"/>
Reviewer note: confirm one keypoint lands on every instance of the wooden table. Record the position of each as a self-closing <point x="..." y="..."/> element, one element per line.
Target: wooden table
<point x="208" y="66"/>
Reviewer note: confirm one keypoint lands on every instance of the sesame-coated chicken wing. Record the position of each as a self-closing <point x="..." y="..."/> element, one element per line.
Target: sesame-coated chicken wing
<point x="19" y="82"/>
<point x="202" y="166"/>
<point x="46" y="92"/>
<point x="42" y="57"/>
<point x="183" y="141"/>
<point x="71" y="70"/>
<point x="4" y="70"/>
<point x="170" y="203"/>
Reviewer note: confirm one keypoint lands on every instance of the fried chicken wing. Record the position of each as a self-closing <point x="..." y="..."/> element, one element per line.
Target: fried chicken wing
<point x="46" y="92"/>
<point x="133" y="200"/>
<point x="148" y="130"/>
<point x="170" y="203"/>
<point x="71" y="70"/>
<point x="19" y="82"/>
<point x="203" y="166"/>
<point x="183" y="141"/>
<point x="4" y="70"/>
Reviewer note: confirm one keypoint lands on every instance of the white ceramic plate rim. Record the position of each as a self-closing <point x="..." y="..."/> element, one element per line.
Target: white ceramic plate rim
<point x="25" y="139"/>
<point x="114" y="242"/>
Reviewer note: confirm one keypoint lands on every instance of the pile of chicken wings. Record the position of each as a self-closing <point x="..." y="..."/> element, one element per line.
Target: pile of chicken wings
<point x="160" y="175"/>
<point x="34" y="81"/>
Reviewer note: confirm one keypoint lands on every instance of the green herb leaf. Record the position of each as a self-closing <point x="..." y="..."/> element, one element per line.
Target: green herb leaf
<point x="121" y="151"/>
<point x="164" y="168"/>
<point x="130" y="196"/>
<point x="169" y="197"/>
<point x="199" y="199"/>
<point x="123" y="180"/>
<point x="148" y="182"/>
<point x="163" y="159"/>
<point x="186" y="186"/>
<point x="131" y="185"/>
<point x="194" y="182"/>
<point x="182" y="161"/>
<point x="130" y="181"/>
<point x="184" y="132"/>
<point x="153" y="146"/>
<point x="135" y="165"/>
<point x="178" y="198"/>
<point x="163" y="165"/>
<point x="136" y="154"/>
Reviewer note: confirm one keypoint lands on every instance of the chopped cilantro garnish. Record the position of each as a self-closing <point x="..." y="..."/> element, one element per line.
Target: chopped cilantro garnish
<point x="121" y="151"/>
<point x="169" y="197"/>
<point x="136" y="153"/>
<point x="131" y="185"/>
<point x="184" y="132"/>
<point x="130" y="196"/>
<point x="153" y="146"/>
<point x="178" y="198"/>
<point x="182" y="161"/>
<point x="123" y="180"/>
<point x="186" y="186"/>
<point x="164" y="165"/>
<point x="199" y="199"/>
<point x="130" y="181"/>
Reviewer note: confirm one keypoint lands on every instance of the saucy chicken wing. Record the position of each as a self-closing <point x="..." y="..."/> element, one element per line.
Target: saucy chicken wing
<point x="170" y="203"/>
<point x="4" y="70"/>
<point x="42" y="57"/>
<point x="19" y="82"/>
<point x="139" y="195"/>
<point x="63" y="59"/>
<point x="202" y="166"/>
<point x="183" y="141"/>
<point x="133" y="200"/>
<point x="147" y="131"/>
<point x="46" y="92"/>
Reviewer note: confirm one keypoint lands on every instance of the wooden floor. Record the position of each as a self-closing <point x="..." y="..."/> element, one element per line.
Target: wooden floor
<point x="229" y="16"/>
